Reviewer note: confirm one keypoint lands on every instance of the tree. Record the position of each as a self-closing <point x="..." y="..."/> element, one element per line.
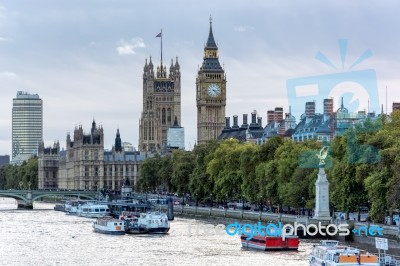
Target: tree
<point x="182" y="167"/>
<point x="165" y="172"/>
<point x="201" y="185"/>
<point x="249" y="159"/>
<point x="224" y="169"/>
<point x="149" y="174"/>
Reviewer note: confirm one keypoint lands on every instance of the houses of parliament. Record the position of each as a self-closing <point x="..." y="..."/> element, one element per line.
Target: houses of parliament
<point x="86" y="164"/>
<point x="162" y="100"/>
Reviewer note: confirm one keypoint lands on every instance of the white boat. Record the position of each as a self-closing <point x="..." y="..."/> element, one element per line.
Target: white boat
<point x="330" y="253"/>
<point x="131" y="222"/>
<point x="71" y="206"/>
<point x="109" y="225"/>
<point x="141" y="223"/>
<point x="154" y="222"/>
<point x="93" y="209"/>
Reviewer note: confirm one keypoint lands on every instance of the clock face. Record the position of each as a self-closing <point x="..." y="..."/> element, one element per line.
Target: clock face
<point x="214" y="90"/>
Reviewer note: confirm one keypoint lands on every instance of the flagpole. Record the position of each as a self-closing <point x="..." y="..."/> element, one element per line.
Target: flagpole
<point x="161" y="47"/>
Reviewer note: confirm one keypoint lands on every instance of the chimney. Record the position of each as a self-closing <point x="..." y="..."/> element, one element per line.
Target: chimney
<point x="310" y="109"/>
<point x="254" y="117"/>
<point x="278" y="114"/>
<point x="270" y="116"/>
<point x="328" y="106"/>
<point x="245" y="125"/>
<point x="227" y="122"/>
<point x="259" y="121"/>
<point x="235" y="122"/>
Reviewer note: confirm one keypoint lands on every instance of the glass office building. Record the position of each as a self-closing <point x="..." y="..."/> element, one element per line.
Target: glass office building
<point x="27" y="126"/>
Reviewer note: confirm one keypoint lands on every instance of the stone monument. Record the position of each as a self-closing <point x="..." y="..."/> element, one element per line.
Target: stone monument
<point x="322" y="212"/>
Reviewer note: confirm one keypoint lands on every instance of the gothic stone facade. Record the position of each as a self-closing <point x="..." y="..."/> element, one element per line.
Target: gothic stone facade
<point x="86" y="165"/>
<point x="161" y="103"/>
<point x="48" y="166"/>
<point x="210" y="94"/>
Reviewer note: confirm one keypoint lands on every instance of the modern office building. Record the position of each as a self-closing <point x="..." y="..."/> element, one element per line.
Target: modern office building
<point x="176" y="136"/>
<point x="27" y="126"/>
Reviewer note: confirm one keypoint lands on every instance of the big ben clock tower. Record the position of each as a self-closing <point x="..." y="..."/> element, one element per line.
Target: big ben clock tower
<point x="210" y="93"/>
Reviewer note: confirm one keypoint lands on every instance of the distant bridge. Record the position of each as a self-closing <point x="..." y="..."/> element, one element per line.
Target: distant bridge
<point x="26" y="198"/>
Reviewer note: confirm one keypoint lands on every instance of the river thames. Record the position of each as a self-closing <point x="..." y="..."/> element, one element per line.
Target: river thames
<point x="46" y="237"/>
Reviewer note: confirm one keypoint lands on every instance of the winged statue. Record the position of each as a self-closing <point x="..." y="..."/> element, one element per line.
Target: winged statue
<point x="322" y="155"/>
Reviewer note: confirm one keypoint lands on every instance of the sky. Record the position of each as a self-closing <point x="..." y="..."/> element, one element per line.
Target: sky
<point x="85" y="59"/>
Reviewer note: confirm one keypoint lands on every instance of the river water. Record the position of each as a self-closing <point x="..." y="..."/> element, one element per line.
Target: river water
<point x="46" y="237"/>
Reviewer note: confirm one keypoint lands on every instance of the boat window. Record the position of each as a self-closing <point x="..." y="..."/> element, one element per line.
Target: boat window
<point x="102" y="210"/>
<point x="96" y="210"/>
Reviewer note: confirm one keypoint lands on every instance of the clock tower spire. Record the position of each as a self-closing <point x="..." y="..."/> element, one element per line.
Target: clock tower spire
<point x="210" y="93"/>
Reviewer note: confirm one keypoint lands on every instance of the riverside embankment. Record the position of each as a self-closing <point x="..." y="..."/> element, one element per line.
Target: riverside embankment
<point x="227" y="216"/>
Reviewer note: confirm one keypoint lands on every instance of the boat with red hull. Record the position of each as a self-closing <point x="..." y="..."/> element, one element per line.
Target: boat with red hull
<point x="270" y="242"/>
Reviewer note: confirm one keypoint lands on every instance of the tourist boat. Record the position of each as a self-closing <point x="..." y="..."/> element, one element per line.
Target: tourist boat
<point x="59" y="207"/>
<point x="109" y="225"/>
<point x="141" y="223"/>
<point x="154" y="222"/>
<point x="330" y="253"/>
<point x="71" y="206"/>
<point x="270" y="242"/>
<point x="93" y="209"/>
<point x="131" y="222"/>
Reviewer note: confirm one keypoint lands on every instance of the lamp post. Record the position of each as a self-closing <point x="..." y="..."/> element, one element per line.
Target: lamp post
<point x="20" y="185"/>
<point x="29" y="185"/>
<point x="302" y="206"/>
<point x="196" y="198"/>
<point x="211" y="195"/>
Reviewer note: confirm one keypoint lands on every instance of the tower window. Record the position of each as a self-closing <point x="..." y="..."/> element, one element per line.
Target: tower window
<point x="169" y="115"/>
<point x="163" y="116"/>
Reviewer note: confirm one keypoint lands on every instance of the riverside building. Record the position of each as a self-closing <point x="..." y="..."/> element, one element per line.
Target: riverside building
<point x="27" y="126"/>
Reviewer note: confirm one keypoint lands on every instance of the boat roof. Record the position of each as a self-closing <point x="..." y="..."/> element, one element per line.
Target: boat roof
<point x="129" y="204"/>
<point x="333" y="247"/>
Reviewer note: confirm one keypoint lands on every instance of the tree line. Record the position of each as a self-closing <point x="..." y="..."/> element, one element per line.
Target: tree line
<point x="19" y="176"/>
<point x="363" y="169"/>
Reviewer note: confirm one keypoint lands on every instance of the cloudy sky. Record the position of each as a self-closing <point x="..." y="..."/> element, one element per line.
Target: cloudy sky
<point x="85" y="58"/>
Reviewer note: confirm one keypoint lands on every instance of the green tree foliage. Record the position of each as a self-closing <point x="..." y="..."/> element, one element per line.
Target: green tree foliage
<point x="294" y="181"/>
<point x="11" y="176"/>
<point x="165" y="172"/>
<point x="224" y="169"/>
<point x="266" y="175"/>
<point x="150" y="179"/>
<point x="182" y="167"/>
<point x="201" y="185"/>
<point x="249" y="159"/>
<point x="363" y="169"/>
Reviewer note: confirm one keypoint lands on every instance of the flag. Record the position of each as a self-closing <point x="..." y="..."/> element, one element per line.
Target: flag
<point x="159" y="35"/>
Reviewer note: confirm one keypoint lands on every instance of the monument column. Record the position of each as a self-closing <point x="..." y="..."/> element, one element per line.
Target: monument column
<point x="322" y="190"/>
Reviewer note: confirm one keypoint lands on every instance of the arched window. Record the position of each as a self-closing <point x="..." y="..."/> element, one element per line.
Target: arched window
<point x="163" y="116"/>
<point x="169" y="116"/>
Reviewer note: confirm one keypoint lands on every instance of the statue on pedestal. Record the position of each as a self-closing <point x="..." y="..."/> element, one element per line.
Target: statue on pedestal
<point x="322" y="155"/>
<point x="322" y="189"/>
